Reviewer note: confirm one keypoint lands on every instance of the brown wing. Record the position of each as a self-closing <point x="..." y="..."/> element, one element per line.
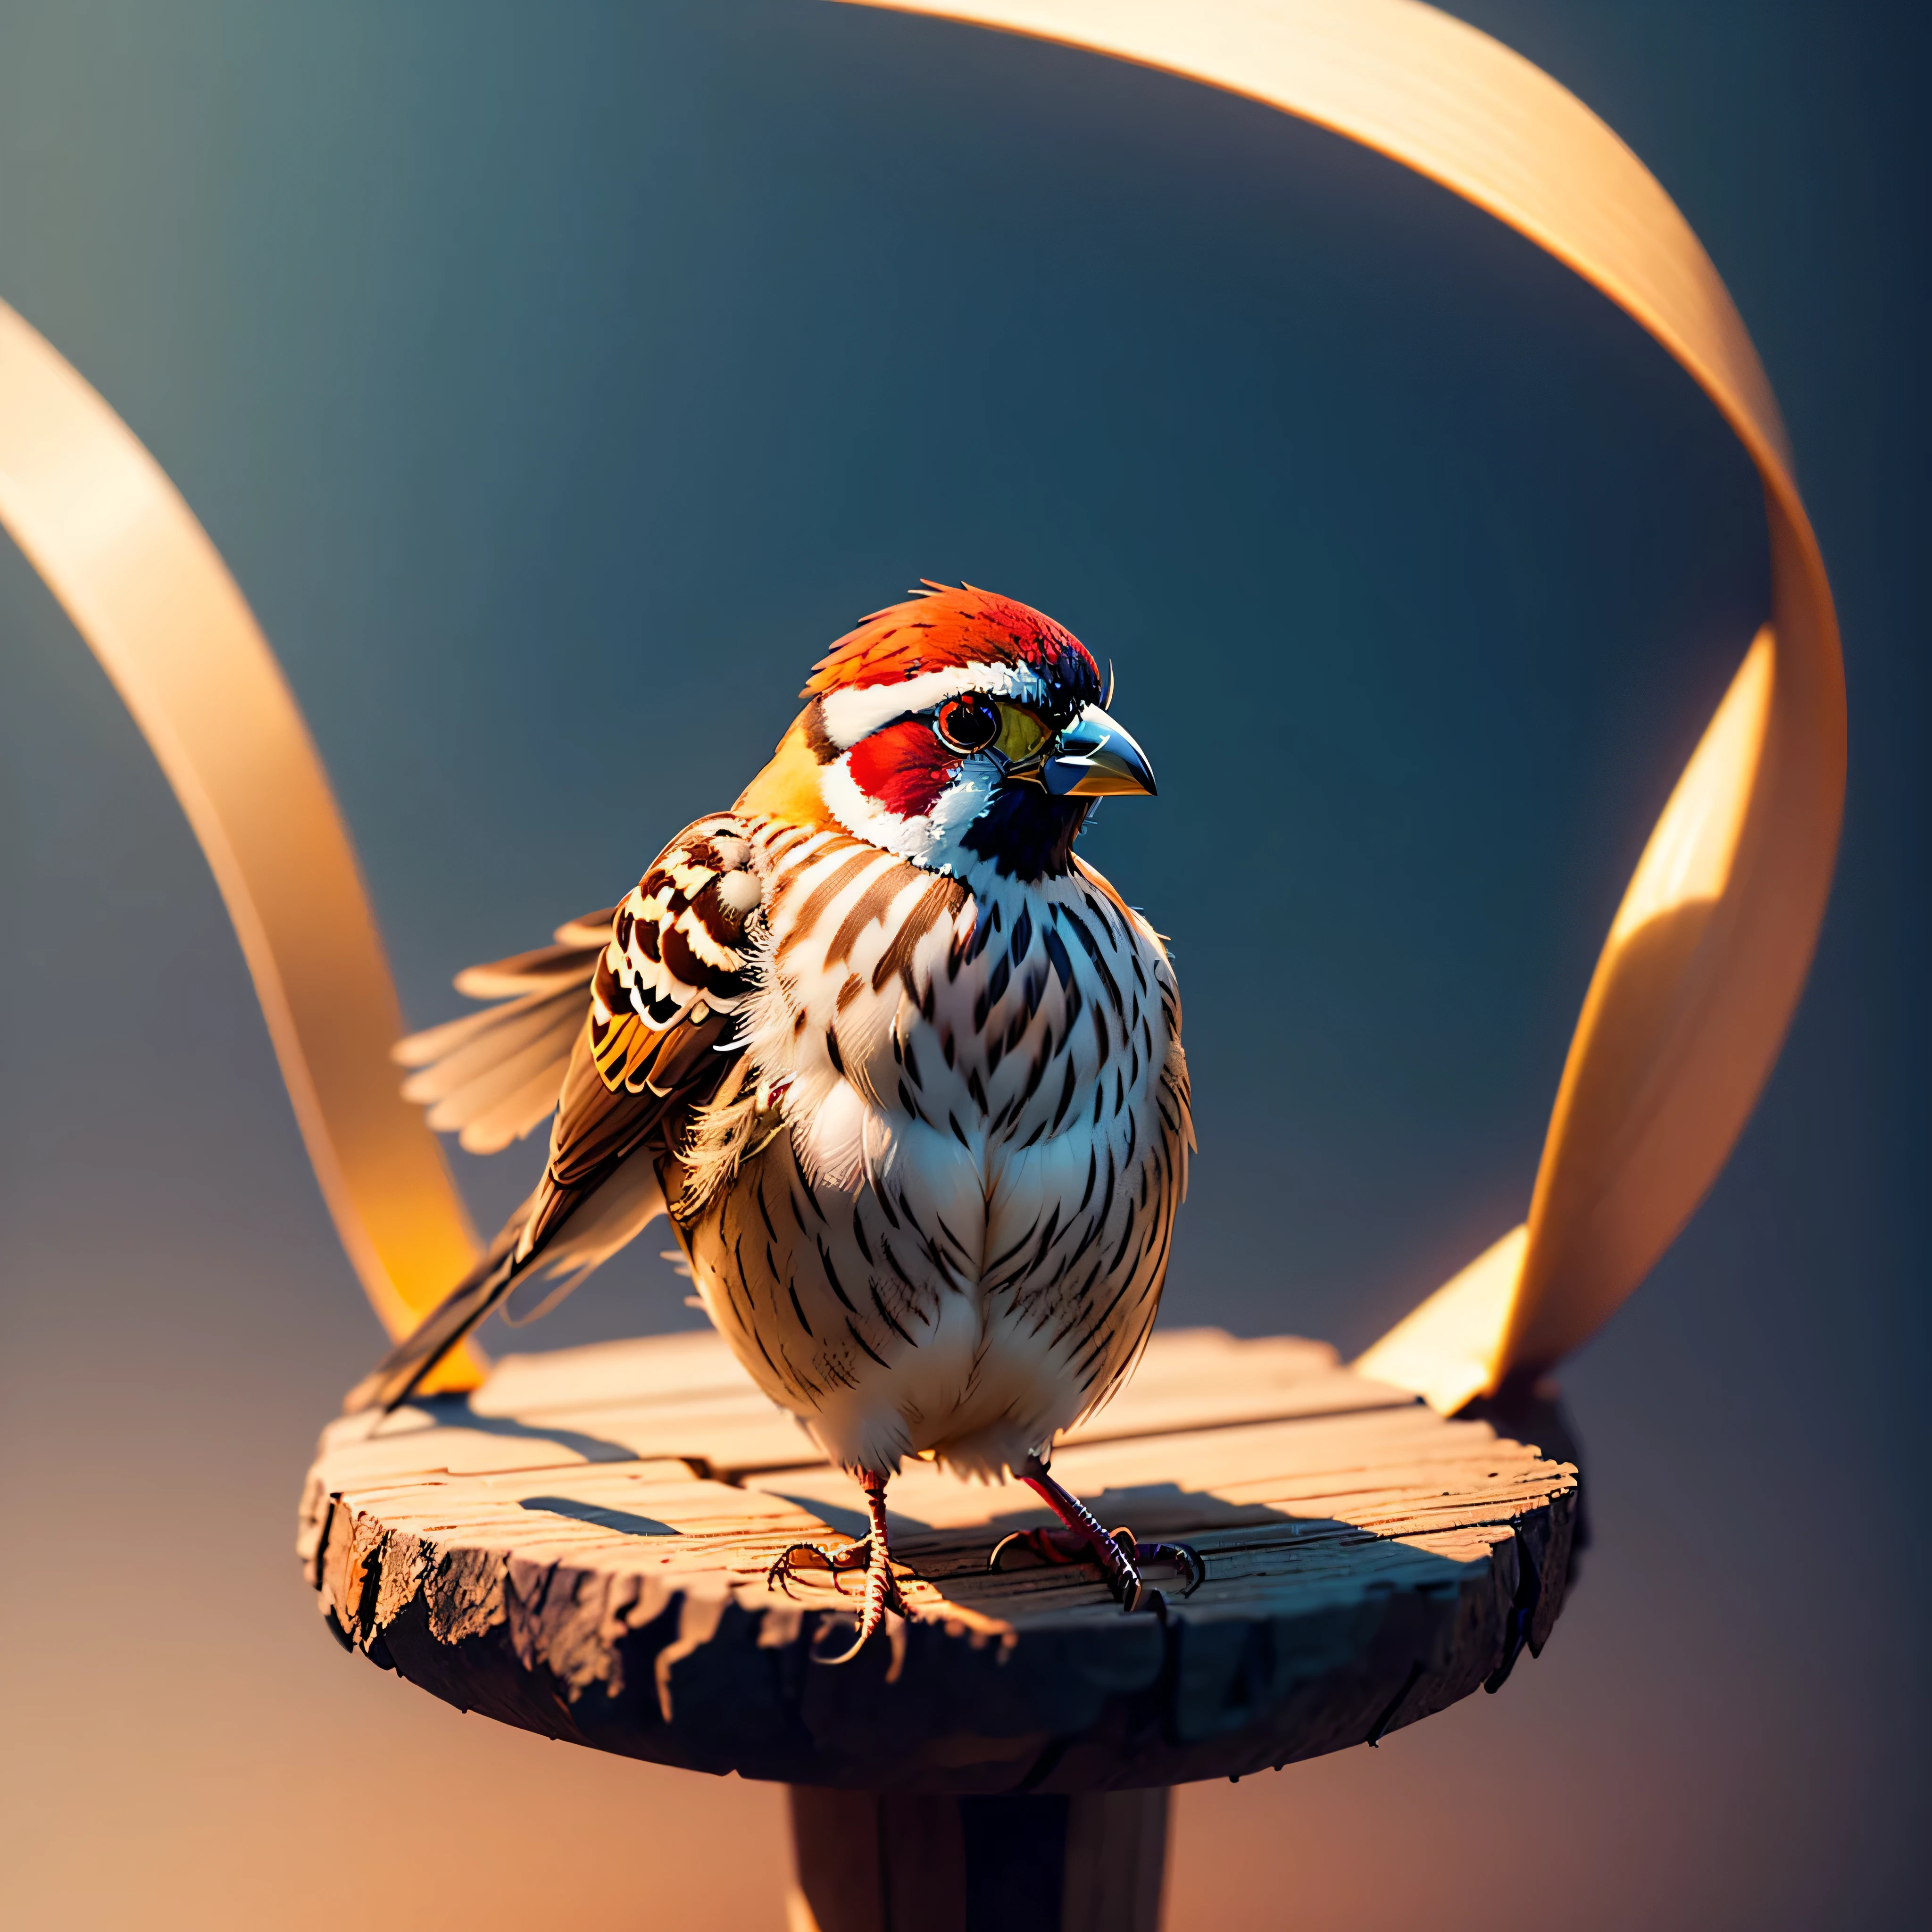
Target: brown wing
<point x="492" y="1076"/>
<point x="663" y="1031"/>
<point x="666" y="972"/>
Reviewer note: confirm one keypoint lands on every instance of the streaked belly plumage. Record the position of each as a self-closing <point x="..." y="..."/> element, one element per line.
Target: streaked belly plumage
<point x="935" y="1214"/>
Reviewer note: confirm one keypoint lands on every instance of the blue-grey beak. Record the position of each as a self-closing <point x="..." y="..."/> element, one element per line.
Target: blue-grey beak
<point x="1094" y="757"/>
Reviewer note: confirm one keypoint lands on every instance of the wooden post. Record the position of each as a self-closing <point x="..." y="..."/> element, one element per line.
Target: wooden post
<point x="896" y="1861"/>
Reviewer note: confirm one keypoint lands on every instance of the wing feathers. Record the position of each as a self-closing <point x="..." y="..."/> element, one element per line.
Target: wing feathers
<point x="394" y="1377"/>
<point x="466" y="1103"/>
<point x="557" y="966"/>
<point x="597" y="1125"/>
<point x="591" y="930"/>
<point x="616" y="1029"/>
<point x="492" y="1077"/>
<point x="547" y="968"/>
<point x="513" y="1117"/>
<point x="490" y="1038"/>
<point x="420" y="1049"/>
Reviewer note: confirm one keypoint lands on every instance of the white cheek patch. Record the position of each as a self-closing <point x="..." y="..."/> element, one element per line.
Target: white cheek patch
<point x="931" y="839"/>
<point x="850" y="716"/>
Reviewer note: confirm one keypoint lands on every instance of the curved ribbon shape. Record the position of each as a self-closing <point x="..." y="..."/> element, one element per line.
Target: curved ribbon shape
<point x="1703" y="965"/>
<point x="1697" y="980"/>
<point x="145" y="588"/>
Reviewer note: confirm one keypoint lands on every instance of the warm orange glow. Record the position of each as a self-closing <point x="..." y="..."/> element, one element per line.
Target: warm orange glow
<point x="124" y="555"/>
<point x="1697" y="983"/>
<point x="1688" y="859"/>
<point x="1451" y="1347"/>
<point x="1682" y="1020"/>
<point x="1445" y="1350"/>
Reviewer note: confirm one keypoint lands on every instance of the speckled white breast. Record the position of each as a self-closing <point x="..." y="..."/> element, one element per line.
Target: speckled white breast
<point x="948" y="1227"/>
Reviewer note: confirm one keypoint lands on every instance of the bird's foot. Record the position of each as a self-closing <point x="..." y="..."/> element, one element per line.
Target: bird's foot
<point x="1123" y="1559"/>
<point x="1080" y="1539"/>
<point x="786" y="1568"/>
<point x="881" y="1592"/>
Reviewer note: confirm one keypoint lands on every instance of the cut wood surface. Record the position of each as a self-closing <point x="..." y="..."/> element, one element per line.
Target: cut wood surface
<point x="580" y="1547"/>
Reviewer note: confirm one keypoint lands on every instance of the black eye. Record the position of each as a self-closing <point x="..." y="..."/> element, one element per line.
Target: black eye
<point x="968" y="724"/>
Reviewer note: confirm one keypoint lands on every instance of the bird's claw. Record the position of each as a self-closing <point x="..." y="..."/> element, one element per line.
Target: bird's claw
<point x="1120" y="1556"/>
<point x="882" y="1592"/>
<point x="1047" y="1546"/>
<point x="1186" y="1559"/>
<point x="786" y="1565"/>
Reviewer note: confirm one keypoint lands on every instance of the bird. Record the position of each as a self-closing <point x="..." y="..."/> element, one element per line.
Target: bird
<point x="902" y="1069"/>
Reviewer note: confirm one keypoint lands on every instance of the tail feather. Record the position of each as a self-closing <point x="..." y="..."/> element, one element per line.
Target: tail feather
<point x="561" y="1233"/>
<point x="395" y="1378"/>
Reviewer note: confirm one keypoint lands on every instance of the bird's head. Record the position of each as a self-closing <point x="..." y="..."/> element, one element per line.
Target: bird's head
<point x="958" y="729"/>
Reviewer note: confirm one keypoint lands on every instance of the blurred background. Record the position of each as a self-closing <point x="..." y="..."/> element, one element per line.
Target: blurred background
<point x="557" y="382"/>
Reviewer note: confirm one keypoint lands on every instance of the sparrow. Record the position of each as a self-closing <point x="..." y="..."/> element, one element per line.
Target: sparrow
<point x="902" y="1069"/>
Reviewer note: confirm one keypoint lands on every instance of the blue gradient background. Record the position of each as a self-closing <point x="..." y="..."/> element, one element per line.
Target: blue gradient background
<point x="557" y="382"/>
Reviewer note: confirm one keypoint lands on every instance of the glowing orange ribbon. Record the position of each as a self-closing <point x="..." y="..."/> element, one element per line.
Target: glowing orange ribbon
<point x="1696" y="982"/>
<point x="1703" y="964"/>
<point x="101" y="523"/>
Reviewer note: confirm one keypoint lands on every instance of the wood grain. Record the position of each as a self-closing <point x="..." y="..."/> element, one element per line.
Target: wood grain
<point x="579" y="1548"/>
<point x="875" y="1862"/>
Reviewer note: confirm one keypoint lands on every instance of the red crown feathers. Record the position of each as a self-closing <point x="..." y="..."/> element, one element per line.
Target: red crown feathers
<point x="941" y="627"/>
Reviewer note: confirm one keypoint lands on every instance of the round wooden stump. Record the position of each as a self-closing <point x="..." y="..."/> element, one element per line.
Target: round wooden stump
<point x="579" y="1548"/>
